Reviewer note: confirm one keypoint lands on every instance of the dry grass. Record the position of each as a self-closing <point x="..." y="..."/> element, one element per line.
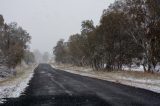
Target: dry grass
<point x="130" y="74"/>
<point x="133" y="74"/>
<point x="21" y="73"/>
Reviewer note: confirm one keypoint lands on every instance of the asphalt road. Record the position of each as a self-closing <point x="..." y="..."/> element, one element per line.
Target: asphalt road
<point x="52" y="87"/>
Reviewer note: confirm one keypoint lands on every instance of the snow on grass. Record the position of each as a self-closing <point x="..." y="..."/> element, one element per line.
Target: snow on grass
<point x="139" y="68"/>
<point x="133" y="68"/>
<point x="136" y="79"/>
<point x="15" y="86"/>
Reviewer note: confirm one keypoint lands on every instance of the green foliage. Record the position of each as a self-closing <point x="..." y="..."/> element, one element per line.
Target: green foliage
<point x="59" y="51"/>
<point x="29" y="57"/>
<point x="13" y="43"/>
<point x="128" y="34"/>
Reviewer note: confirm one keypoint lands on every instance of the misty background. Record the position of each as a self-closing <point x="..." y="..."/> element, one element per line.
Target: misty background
<point x="49" y="20"/>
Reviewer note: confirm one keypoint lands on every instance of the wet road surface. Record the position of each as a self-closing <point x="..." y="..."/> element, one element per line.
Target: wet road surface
<point x="52" y="87"/>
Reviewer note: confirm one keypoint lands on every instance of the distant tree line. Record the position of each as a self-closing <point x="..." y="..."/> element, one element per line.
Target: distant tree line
<point x="14" y="42"/>
<point x="41" y="57"/>
<point x="29" y="57"/>
<point x="128" y="33"/>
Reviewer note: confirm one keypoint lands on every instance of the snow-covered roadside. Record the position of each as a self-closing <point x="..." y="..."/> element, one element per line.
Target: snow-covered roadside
<point x="140" y="68"/>
<point x="13" y="88"/>
<point x="143" y="82"/>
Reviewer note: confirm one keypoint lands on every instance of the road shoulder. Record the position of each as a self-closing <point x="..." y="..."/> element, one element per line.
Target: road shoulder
<point x="144" y="82"/>
<point x="15" y="86"/>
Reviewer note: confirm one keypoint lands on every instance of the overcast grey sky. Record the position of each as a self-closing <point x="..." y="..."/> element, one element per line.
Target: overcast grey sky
<point x="49" y="20"/>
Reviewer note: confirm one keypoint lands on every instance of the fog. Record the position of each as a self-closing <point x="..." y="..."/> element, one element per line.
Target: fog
<point x="49" y="20"/>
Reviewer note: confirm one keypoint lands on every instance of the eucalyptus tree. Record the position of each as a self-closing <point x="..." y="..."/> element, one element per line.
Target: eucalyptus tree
<point x="14" y="41"/>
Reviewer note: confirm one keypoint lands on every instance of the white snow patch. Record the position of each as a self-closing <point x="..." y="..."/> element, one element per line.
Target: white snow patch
<point x="15" y="88"/>
<point x="133" y="68"/>
<point x="139" y="68"/>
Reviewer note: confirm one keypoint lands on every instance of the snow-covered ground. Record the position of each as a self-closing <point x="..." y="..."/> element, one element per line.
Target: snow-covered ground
<point x="133" y="68"/>
<point x="5" y="72"/>
<point x="13" y="87"/>
<point x="136" y="79"/>
<point x="140" y="68"/>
